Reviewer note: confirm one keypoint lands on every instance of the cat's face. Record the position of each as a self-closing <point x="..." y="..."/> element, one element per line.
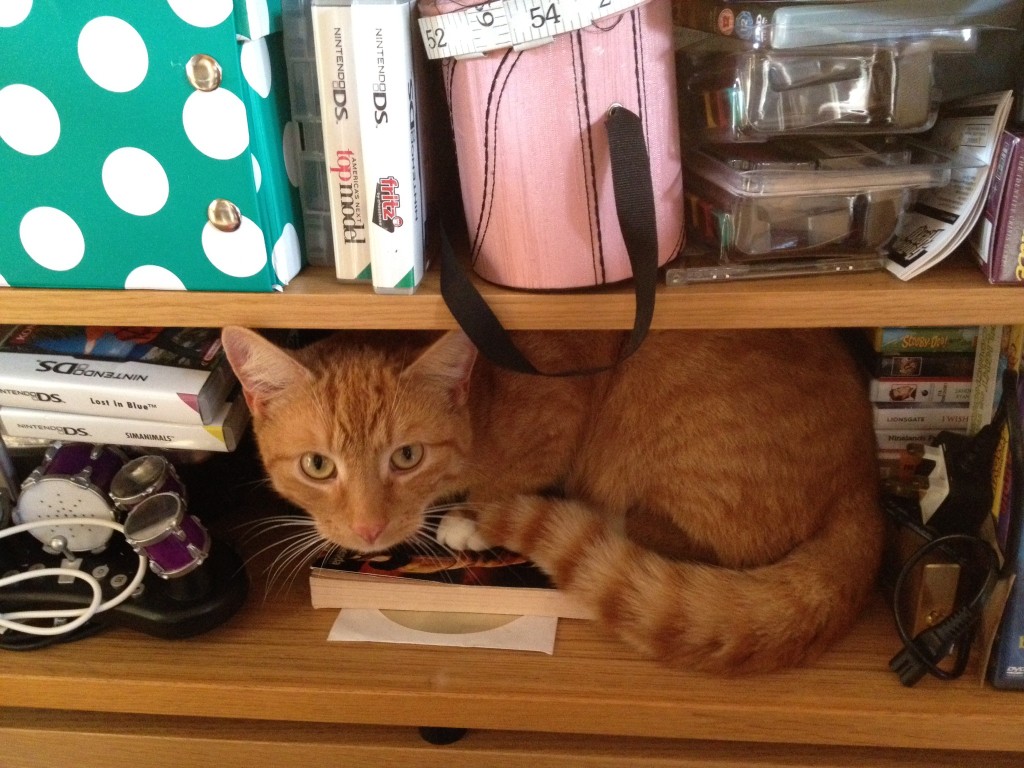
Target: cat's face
<point x="361" y="440"/>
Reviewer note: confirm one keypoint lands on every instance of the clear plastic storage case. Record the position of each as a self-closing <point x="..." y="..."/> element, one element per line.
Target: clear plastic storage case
<point x="300" y="61"/>
<point x="811" y="198"/>
<point x="698" y="263"/>
<point x="845" y="88"/>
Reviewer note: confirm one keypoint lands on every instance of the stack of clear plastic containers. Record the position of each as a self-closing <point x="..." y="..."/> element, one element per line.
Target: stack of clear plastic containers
<point x="803" y="159"/>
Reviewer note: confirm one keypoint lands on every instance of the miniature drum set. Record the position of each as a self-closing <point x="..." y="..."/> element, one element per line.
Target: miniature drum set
<point x="84" y="481"/>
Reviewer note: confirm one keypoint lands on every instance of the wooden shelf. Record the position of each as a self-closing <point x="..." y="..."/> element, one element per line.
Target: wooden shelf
<point x="952" y="293"/>
<point x="267" y="682"/>
<point x="43" y="738"/>
<point x="271" y="662"/>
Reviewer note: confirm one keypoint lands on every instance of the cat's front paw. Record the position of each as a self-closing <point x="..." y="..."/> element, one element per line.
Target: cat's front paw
<point x="455" y="531"/>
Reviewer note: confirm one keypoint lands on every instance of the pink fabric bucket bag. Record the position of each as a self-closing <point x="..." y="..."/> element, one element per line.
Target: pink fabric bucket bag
<point x="533" y="152"/>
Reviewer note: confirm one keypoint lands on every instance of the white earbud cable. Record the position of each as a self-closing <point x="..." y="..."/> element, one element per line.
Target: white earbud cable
<point x="80" y="616"/>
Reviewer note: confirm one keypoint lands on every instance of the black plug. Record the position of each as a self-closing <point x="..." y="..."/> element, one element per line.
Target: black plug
<point x="923" y="654"/>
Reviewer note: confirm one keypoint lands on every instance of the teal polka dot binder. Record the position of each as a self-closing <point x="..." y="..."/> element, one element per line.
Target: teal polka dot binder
<point x="147" y="145"/>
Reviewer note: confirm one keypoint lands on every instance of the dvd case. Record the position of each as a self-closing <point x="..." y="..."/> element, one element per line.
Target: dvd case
<point x="998" y="238"/>
<point x="889" y="440"/>
<point x="914" y="390"/>
<point x="896" y="416"/>
<point x="892" y="340"/>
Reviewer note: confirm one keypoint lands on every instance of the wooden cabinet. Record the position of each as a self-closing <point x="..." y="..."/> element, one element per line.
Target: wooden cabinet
<point x="267" y="689"/>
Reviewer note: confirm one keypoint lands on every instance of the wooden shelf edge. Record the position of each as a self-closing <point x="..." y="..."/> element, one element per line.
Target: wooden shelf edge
<point x="45" y="738"/>
<point x="850" y="699"/>
<point x="952" y="293"/>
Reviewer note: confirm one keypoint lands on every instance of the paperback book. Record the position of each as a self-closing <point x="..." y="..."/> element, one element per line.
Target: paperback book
<point x="493" y="581"/>
<point x="221" y="434"/>
<point x="175" y="375"/>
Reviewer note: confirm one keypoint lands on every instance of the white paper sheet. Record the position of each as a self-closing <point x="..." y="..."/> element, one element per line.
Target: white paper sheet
<point x="462" y="630"/>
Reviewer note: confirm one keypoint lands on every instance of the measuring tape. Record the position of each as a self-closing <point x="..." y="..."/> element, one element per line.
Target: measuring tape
<point x="518" y="24"/>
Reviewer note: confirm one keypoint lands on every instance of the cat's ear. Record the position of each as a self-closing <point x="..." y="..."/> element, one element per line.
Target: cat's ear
<point x="263" y="369"/>
<point x="448" y="360"/>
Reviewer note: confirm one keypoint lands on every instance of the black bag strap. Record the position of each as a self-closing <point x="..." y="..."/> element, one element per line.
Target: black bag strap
<point x="634" y="205"/>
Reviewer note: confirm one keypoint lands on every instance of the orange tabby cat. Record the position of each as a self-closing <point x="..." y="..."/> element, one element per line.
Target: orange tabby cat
<point x="717" y="502"/>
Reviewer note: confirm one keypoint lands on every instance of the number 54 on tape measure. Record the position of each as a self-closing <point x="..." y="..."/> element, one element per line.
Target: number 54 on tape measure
<point x="515" y="24"/>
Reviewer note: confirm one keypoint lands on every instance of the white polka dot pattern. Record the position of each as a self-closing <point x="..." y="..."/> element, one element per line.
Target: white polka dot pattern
<point x="109" y="156"/>
<point x="257" y="173"/>
<point x="52" y="238"/>
<point x="241" y="253"/>
<point x="201" y="13"/>
<point x="216" y="124"/>
<point x="153" y="278"/>
<point x="13" y="12"/>
<point x="259" y="18"/>
<point x="29" y="122"/>
<point x="290" y="148"/>
<point x="255" y="60"/>
<point x="113" y="54"/>
<point x="287" y="255"/>
<point x="135" y="181"/>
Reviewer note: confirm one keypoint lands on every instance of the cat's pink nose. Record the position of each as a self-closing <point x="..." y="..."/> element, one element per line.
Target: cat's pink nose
<point x="369" y="532"/>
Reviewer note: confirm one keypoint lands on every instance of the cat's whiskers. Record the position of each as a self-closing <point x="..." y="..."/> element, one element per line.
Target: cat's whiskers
<point x="280" y="542"/>
<point x="301" y="545"/>
<point x="258" y="482"/>
<point x="399" y="391"/>
<point x="322" y="405"/>
<point x="256" y="529"/>
<point x="266" y="522"/>
<point x="299" y="550"/>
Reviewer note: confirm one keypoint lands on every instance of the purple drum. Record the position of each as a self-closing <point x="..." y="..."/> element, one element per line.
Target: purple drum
<point x="174" y="541"/>
<point x="72" y="482"/>
<point x="143" y="477"/>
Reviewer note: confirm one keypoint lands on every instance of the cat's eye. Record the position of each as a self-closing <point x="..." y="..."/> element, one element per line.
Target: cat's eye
<point x="317" y="466"/>
<point x="407" y="457"/>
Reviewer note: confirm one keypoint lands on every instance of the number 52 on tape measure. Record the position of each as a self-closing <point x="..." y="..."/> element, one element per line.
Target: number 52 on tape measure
<point x="515" y="24"/>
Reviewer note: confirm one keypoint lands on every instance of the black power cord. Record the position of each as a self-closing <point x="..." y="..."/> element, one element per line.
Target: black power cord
<point x="969" y="462"/>
<point x="922" y="653"/>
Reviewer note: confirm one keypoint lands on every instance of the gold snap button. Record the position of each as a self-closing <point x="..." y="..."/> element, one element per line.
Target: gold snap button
<point x="203" y="72"/>
<point x="224" y="215"/>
